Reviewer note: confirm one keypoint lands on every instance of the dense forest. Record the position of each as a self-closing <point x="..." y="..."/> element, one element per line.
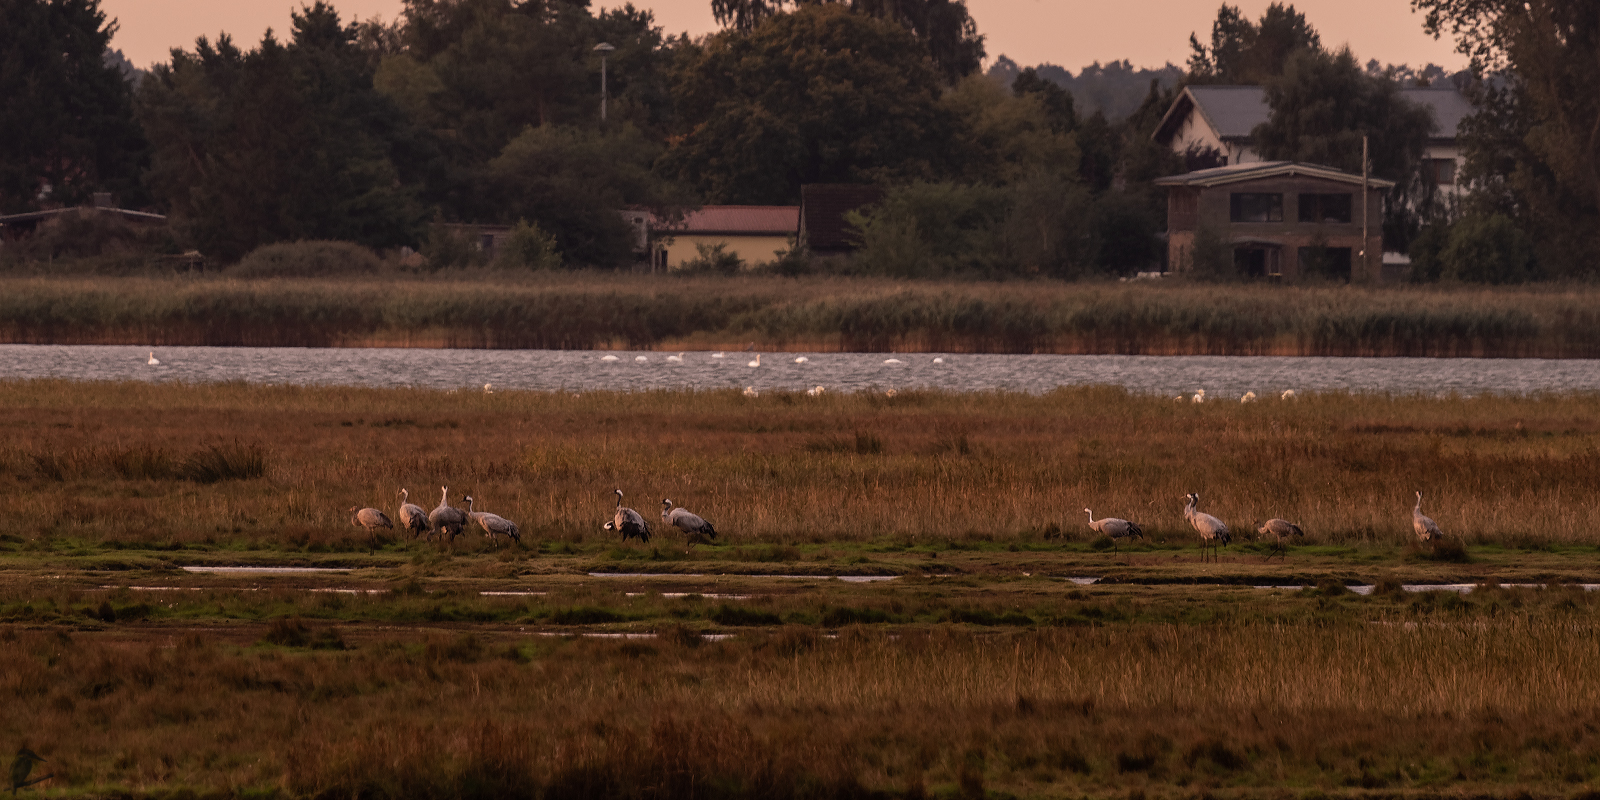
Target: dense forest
<point x="487" y="111"/>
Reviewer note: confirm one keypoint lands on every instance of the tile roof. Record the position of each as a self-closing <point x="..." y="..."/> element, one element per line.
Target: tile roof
<point x="772" y="220"/>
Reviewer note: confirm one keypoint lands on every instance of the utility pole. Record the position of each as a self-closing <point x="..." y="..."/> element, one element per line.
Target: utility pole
<point x="1365" y="193"/>
<point x="604" y="50"/>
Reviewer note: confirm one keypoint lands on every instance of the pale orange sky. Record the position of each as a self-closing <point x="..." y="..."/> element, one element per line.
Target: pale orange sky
<point x="1069" y="33"/>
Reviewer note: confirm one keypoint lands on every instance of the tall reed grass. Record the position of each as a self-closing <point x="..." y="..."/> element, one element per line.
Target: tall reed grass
<point x="918" y="469"/>
<point x="584" y="311"/>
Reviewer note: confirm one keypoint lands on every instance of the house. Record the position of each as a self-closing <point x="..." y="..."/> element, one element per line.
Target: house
<point x="1281" y="219"/>
<point x="756" y="234"/>
<point x="1210" y="126"/>
<point x="823" y="230"/>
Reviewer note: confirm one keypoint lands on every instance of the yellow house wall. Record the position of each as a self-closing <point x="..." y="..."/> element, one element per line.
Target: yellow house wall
<point x="752" y="250"/>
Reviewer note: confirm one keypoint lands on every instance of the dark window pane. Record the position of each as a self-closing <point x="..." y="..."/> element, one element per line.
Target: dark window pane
<point x="1247" y="207"/>
<point x="1325" y="208"/>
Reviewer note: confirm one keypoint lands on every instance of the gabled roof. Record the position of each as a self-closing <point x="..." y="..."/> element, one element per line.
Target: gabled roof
<point x="1234" y="111"/>
<point x="748" y="220"/>
<point x="1255" y="170"/>
<point x="1231" y="111"/>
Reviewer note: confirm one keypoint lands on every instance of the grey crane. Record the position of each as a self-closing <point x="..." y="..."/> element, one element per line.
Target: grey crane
<point x="22" y="766"/>
<point x="1426" y="530"/>
<point x="446" y="518"/>
<point x="1115" y="528"/>
<point x="412" y="517"/>
<point x="1280" y="529"/>
<point x="629" y="522"/>
<point x="1212" y="531"/>
<point x="371" y="519"/>
<point x="493" y="524"/>
<point x="686" y="521"/>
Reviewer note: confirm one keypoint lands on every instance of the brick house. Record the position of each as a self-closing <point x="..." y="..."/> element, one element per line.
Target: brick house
<point x="1282" y="219"/>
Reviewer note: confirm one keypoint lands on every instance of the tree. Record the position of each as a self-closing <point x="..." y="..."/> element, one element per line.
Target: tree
<point x="1324" y="103"/>
<point x="819" y="95"/>
<point x="1533" y="150"/>
<point x="999" y="137"/>
<point x="1243" y="52"/>
<point x="944" y="26"/>
<point x="66" y="115"/>
<point x="572" y="182"/>
<point x="278" y="143"/>
<point x="1057" y="102"/>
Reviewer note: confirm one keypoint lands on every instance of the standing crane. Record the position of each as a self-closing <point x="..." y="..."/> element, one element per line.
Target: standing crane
<point x="371" y="519"/>
<point x="493" y="524"/>
<point x="1212" y="531"/>
<point x="1115" y="528"/>
<point x="446" y="518"/>
<point x="412" y="517"/>
<point x="1426" y="530"/>
<point x="684" y="520"/>
<point x="1280" y="529"/>
<point x="629" y="522"/>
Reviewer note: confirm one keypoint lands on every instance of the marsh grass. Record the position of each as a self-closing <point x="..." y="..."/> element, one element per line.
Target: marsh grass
<point x="1479" y="709"/>
<point x="220" y="467"/>
<point x="598" y="310"/>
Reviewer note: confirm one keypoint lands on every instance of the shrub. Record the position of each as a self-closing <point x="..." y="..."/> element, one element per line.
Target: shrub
<point x="528" y="247"/>
<point x="1487" y="250"/>
<point x="1211" y="258"/>
<point x="307" y="259"/>
<point x="712" y="260"/>
<point x="448" y="247"/>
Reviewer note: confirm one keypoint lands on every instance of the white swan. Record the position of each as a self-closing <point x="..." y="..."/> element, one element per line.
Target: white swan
<point x="609" y="358"/>
<point x="1199" y="396"/>
<point x="938" y="361"/>
<point x="487" y="390"/>
<point x="1249" y="397"/>
<point x="153" y="361"/>
<point x="1288" y="394"/>
<point x="640" y="359"/>
<point x="719" y="354"/>
<point x="816" y="392"/>
<point x="755" y="363"/>
<point x="750" y="391"/>
<point x="677" y="359"/>
<point x="894" y="361"/>
<point x="801" y="360"/>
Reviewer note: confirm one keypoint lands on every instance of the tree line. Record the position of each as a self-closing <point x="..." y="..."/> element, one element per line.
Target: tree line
<point x="488" y="111"/>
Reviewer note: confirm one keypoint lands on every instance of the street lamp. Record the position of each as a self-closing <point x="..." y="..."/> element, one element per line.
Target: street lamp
<point x="604" y="50"/>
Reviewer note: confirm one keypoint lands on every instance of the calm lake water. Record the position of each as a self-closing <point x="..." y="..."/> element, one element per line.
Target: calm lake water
<point x="1222" y="377"/>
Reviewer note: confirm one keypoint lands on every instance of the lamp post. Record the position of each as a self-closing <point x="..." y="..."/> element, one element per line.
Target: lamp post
<point x="604" y="50"/>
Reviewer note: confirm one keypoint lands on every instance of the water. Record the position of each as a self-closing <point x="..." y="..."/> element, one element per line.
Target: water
<point x="1223" y="377"/>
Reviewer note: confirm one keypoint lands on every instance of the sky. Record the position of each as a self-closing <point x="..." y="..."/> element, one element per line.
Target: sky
<point x="1068" y="33"/>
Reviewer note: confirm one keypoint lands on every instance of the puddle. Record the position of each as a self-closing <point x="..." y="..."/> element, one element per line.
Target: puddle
<point x="1458" y="588"/>
<point x="265" y="570"/>
<point x="845" y="578"/>
<point x="710" y="637"/>
<point x="696" y="594"/>
<point x="1084" y="581"/>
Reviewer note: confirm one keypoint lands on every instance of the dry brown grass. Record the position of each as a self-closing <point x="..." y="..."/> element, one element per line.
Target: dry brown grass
<point x="787" y="469"/>
<point x="1482" y="708"/>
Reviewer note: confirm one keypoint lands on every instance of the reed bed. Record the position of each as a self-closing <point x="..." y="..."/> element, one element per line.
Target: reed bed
<point x="591" y="310"/>
<point x="1484" y="709"/>
<point x="104" y="463"/>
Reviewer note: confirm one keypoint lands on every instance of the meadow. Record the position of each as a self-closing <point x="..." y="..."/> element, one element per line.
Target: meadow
<point x="553" y="668"/>
<point x="589" y="310"/>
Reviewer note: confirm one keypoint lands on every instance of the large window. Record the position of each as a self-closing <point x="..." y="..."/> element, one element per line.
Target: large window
<point x="1245" y="207"/>
<point x="1325" y="208"/>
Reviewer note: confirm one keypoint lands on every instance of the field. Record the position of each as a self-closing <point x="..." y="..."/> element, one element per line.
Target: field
<point x="585" y="310"/>
<point x="740" y="666"/>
